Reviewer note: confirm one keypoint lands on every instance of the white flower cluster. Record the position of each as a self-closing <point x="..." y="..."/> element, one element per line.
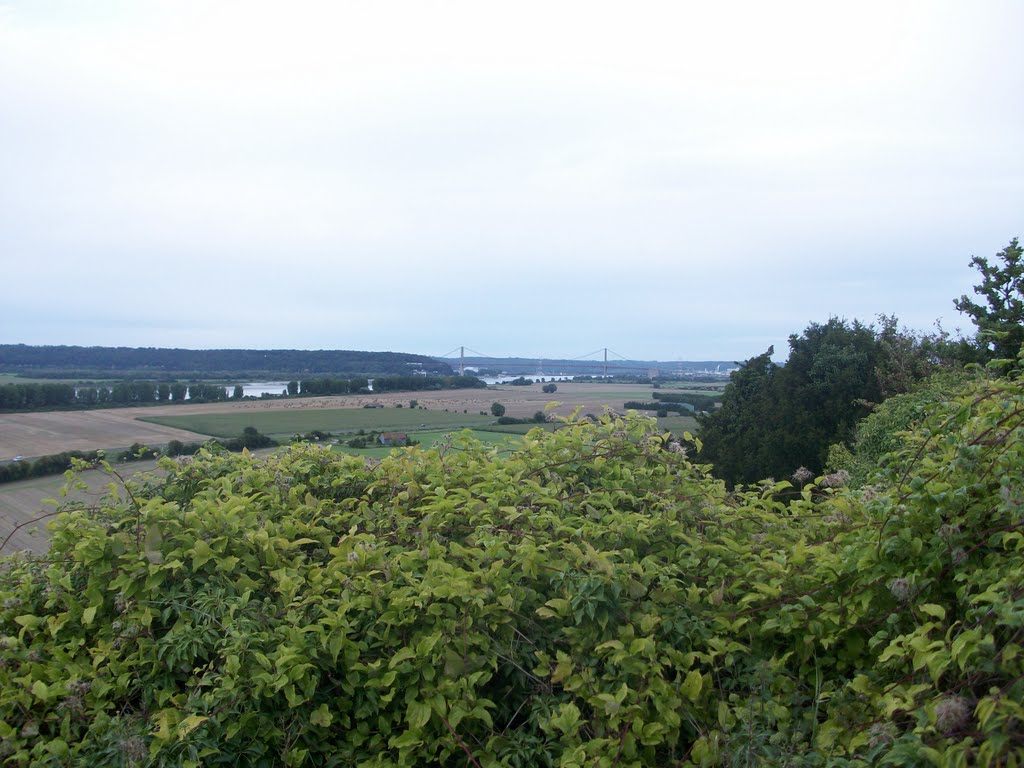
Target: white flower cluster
<point x="837" y="479"/>
<point x="803" y="475"/>
<point x="952" y="714"/>
<point x="901" y="589"/>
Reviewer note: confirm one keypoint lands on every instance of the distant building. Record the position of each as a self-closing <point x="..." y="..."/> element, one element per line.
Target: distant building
<point x="393" y="438"/>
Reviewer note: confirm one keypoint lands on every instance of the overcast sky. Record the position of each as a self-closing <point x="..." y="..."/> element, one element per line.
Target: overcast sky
<point x="677" y="180"/>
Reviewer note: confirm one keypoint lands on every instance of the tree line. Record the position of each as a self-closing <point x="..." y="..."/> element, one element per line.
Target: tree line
<point x="699" y="402"/>
<point x="679" y="403"/>
<point x="640" y="405"/>
<point x="43" y="396"/>
<point x="56" y="463"/>
<point x="39" y="396"/>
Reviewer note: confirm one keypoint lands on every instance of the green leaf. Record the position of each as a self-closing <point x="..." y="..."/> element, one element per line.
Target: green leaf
<point x="201" y="554"/>
<point x="154" y="542"/>
<point x="41" y="691"/>
<point x="29" y="621"/>
<point x="692" y="685"/>
<point x="401" y="655"/>
<point x="418" y="714"/>
<point x="411" y="738"/>
<point x="321" y="716"/>
<point x="568" y="718"/>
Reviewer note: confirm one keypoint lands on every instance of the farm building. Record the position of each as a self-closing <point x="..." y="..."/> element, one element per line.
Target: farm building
<point x="394" y="438"/>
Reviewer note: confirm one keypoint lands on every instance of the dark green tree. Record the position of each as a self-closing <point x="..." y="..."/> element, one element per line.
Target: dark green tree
<point x="999" y="313"/>
<point x="775" y="419"/>
<point x="293" y="388"/>
<point x="735" y="436"/>
<point x="497" y="409"/>
<point x="239" y="392"/>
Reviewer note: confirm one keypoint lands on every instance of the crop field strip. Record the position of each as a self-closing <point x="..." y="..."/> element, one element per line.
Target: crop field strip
<point x="324" y="419"/>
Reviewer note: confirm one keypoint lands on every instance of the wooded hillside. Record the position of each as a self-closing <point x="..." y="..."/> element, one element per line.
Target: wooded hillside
<point x="131" y="362"/>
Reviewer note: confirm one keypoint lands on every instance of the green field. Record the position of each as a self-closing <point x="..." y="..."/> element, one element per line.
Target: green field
<point x="299" y="421"/>
<point x="676" y="424"/>
<point x="515" y="429"/>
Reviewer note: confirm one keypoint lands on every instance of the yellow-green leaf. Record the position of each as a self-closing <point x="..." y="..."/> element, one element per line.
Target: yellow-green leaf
<point x="189" y="724"/>
<point x="691" y="685"/>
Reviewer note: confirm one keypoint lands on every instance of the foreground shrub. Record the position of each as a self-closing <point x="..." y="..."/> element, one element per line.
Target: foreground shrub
<point x="591" y="599"/>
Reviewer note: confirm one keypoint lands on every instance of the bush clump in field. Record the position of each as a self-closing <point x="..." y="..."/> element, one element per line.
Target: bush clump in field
<point x="52" y="464"/>
<point x="537" y="418"/>
<point x="590" y="598"/>
<point x="376" y="439"/>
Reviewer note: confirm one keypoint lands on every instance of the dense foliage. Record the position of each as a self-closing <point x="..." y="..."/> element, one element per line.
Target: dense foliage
<point x="698" y="402"/>
<point x="52" y="464"/>
<point x="147" y="362"/>
<point x="999" y="315"/>
<point x="640" y="405"/>
<point x="775" y="419"/>
<point x="591" y="599"/>
<point x="880" y="436"/>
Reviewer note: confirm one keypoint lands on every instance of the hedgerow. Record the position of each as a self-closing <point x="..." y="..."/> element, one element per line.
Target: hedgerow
<point x="593" y="598"/>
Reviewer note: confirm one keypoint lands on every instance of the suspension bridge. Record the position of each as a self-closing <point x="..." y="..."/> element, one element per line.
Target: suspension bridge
<point x="603" y="361"/>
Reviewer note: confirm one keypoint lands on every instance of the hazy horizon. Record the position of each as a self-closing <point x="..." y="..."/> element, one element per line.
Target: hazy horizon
<point x="672" y="180"/>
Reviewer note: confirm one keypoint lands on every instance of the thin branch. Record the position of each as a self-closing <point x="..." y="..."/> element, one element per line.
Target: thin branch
<point x="460" y="742"/>
<point x="34" y="520"/>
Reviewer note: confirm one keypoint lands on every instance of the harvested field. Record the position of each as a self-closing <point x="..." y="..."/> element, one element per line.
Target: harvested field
<point x="21" y="502"/>
<point x="48" y="432"/>
<point x="26" y="500"/>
